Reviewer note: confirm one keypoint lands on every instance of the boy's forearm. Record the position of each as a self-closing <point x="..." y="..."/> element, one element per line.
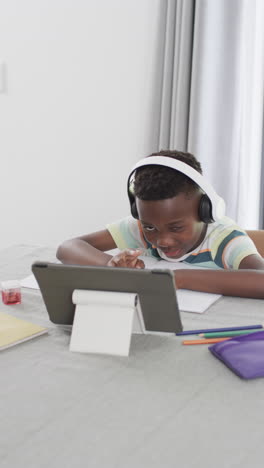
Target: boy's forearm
<point x="79" y="252"/>
<point x="242" y="283"/>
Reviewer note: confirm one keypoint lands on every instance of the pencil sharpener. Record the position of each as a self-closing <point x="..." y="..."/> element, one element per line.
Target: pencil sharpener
<point x="11" y="292"/>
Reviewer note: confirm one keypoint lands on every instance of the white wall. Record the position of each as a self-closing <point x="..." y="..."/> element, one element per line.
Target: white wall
<point x="78" y="111"/>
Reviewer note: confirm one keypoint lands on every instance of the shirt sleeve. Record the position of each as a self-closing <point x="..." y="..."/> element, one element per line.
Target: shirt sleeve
<point x="126" y="233"/>
<point x="233" y="249"/>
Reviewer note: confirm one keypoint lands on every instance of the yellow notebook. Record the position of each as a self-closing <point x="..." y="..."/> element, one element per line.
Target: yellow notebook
<point x="14" y="331"/>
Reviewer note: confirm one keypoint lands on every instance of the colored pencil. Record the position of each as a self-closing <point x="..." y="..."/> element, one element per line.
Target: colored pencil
<point x="212" y="330"/>
<point x="227" y="333"/>
<point x="204" y="341"/>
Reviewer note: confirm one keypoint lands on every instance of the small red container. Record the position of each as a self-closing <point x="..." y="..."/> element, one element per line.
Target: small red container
<point x="11" y="292"/>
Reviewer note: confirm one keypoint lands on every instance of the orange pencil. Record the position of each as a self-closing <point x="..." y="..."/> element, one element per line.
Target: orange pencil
<point x="205" y="341"/>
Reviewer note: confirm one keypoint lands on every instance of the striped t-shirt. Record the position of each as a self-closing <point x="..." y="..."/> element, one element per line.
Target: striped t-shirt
<point x="225" y="244"/>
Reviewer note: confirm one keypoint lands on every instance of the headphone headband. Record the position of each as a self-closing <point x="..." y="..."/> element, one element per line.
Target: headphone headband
<point x="218" y="204"/>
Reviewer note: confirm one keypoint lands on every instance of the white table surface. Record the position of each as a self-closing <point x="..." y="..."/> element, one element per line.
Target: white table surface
<point x="166" y="405"/>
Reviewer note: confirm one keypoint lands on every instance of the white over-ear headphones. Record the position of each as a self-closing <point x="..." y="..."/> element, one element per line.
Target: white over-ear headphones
<point x="212" y="206"/>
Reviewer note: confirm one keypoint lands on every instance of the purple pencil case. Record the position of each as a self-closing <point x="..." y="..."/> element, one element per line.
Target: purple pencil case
<point x="243" y="354"/>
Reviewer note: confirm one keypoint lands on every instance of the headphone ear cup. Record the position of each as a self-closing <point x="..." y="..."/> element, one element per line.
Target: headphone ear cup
<point x="205" y="210"/>
<point x="134" y="211"/>
<point x="132" y="200"/>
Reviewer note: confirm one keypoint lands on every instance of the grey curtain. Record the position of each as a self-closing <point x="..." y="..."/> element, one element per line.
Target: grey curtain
<point x="212" y="95"/>
<point x="177" y="71"/>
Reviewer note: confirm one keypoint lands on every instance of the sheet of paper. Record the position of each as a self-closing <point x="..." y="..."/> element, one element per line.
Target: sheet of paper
<point x="195" y="301"/>
<point x="29" y="282"/>
<point x="151" y="263"/>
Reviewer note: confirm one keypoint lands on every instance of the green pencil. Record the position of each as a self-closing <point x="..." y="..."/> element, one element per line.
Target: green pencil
<point x="227" y="333"/>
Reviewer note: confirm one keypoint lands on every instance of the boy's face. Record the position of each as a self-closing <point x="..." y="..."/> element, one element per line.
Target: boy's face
<point x="172" y="225"/>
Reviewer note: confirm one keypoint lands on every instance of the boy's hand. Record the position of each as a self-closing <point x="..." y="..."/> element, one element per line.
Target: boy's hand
<point x="128" y="258"/>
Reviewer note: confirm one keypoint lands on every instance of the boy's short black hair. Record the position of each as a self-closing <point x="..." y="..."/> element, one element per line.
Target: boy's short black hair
<point x="158" y="183"/>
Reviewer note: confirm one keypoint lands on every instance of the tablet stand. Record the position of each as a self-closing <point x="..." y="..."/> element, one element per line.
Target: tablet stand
<point x="104" y="321"/>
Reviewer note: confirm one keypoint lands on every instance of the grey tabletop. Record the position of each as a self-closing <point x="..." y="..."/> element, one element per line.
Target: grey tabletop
<point x="165" y="405"/>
